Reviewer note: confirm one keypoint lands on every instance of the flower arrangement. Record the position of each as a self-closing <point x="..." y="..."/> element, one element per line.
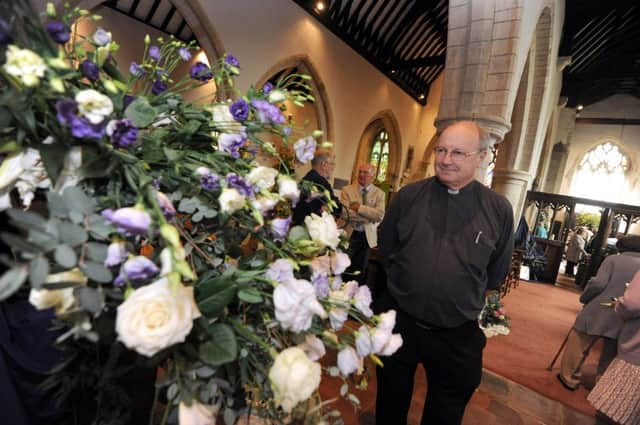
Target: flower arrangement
<point x="156" y="233"/>
<point x="493" y="318"/>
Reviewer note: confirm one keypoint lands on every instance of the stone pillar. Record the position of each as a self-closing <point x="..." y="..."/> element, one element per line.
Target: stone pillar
<point x="513" y="184"/>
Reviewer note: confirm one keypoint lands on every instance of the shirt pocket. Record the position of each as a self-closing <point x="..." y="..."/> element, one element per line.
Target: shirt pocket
<point x="480" y="250"/>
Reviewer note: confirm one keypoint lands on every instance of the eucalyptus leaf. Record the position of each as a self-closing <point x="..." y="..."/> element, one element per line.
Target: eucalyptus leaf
<point x="99" y="227"/>
<point x="45" y="240"/>
<point x="97" y="251"/>
<point x="298" y="233"/>
<point x="77" y="200"/>
<point x="72" y="234"/>
<point x="221" y="348"/>
<point x="188" y="205"/>
<point x="97" y="272"/>
<point x="12" y="280"/>
<point x="65" y="256"/>
<point x="26" y="219"/>
<point x="38" y="271"/>
<point x="90" y="299"/>
<point x="250" y="295"/>
<point x="230" y="416"/>
<point x="141" y="112"/>
<point x="18" y="243"/>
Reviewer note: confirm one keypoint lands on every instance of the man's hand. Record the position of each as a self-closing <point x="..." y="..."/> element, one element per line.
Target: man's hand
<point x="355" y="206"/>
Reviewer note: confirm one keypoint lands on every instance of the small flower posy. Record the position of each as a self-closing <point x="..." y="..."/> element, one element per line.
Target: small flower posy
<point x="164" y="233"/>
<point x="493" y="318"/>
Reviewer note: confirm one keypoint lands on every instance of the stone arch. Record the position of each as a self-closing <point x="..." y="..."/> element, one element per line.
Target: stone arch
<point x="321" y="104"/>
<point x="382" y="120"/>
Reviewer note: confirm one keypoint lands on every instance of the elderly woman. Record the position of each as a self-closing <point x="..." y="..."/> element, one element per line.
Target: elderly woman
<point x="594" y="321"/>
<point x="616" y="395"/>
<point x="575" y="250"/>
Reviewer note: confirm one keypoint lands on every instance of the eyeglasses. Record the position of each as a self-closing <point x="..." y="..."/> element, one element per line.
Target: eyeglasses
<point x="456" y="155"/>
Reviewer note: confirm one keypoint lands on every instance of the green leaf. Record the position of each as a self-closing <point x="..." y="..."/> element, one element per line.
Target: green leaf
<point x="188" y="205"/>
<point x="65" y="256"/>
<point x="172" y="154"/>
<point x="214" y="295"/>
<point x="53" y="159"/>
<point x="97" y="251"/>
<point x="77" y="200"/>
<point x="221" y="348"/>
<point x="26" y="219"/>
<point x="230" y="416"/>
<point x="141" y="112"/>
<point x="38" y="271"/>
<point x="99" y="227"/>
<point x="12" y="280"/>
<point x="97" y="272"/>
<point x="90" y="299"/>
<point x="57" y="206"/>
<point x="47" y="241"/>
<point x="250" y="295"/>
<point x="72" y="234"/>
<point x="298" y="233"/>
<point x="18" y="243"/>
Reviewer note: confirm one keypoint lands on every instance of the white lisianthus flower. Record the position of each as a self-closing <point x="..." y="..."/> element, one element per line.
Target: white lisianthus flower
<point x="264" y="204"/>
<point x="223" y="119"/>
<point x="495" y="330"/>
<point x="231" y="200"/>
<point x="288" y="189"/>
<point x="293" y="378"/>
<point x="363" y="341"/>
<point x="321" y="265"/>
<point x="10" y="170"/>
<point x="25" y="65"/>
<point x="323" y="230"/>
<point x="313" y="347"/>
<point x="196" y="414"/>
<point x="349" y="361"/>
<point x="93" y="105"/>
<point x="339" y="313"/>
<point x="296" y="304"/>
<point x="26" y="173"/>
<point x="276" y="96"/>
<point x="262" y="177"/>
<point x="60" y="299"/>
<point x="362" y="300"/>
<point x="392" y="345"/>
<point x="101" y="37"/>
<point x="156" y="316"/>
<point x="340" y="262"/>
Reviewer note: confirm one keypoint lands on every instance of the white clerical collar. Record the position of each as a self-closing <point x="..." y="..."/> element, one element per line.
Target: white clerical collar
<point x="453" y="191"/>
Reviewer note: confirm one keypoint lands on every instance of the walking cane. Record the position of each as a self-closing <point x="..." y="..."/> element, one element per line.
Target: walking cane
<point x="553" y="362"/>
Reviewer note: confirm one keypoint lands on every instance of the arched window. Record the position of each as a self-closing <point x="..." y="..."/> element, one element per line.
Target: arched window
<point x="601" y="174"/>
<point x="379" y="156"/>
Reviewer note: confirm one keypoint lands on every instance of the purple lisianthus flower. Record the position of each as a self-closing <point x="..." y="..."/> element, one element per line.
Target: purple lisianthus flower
<point x="280" y="270"/>
<point x="5" y="32"/>
<point x="122" y="133"/>
<point x="280" y="228"/>
<point x="90" y="70"/>
<point x="184" y="53"/>
<point x="305" y="149"/>
<point x="240" y="184"/>
<point x="266" y="89"/>
<point x="80" y="127"/>
<point x="59" y="31"/>
<point x="232" y="60"/>
<point x="240" y="110"/>
<point x="136" y="70"/>
<point x="210" y="181"/>
<point x="136" y="270"/>
<point x="101" y="37"/>
<point x="231" y="143"/>
<point x="268" y="113"/>
<point x="154" y="53"/>
<point x="127" y="100"/>
<point x="201" y="72"/>
<point x="166" y="205"/>
<point x="116" y="253"/>
<point x="320" y="282"/>
<point x="158" y="87"/>
<point x="129" y="220"/>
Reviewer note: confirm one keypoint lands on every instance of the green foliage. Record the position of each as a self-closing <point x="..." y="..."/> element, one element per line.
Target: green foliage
<point x="591" y="220"/>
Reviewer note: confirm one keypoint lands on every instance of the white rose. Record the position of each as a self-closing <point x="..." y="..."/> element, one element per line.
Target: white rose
<point x="25" y="65"/>
<point x="295" y="302"/>
<point x="293" y="378"/>
<point x="323" y="230"/>
<point x="313" y="347"/>
<point x="196" y="414"/>
<point x="288" y="189"/>
<point x="93" y="105"/>
<point x="223" y="119"/>
<point x="156" y="316"/>
<point x="263" y="177"/>
<point x="60" y="299"/>
<point x="349" y="361"/>
<point x="231" y="200"/>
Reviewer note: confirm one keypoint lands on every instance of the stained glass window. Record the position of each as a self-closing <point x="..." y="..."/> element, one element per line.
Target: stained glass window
<point x="601" y="174"/>
<point x="379" y="156"/>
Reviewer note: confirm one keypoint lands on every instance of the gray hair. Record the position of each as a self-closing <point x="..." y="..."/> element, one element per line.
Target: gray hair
<point x="484" y="137"/>
<point x="321" y="156"/>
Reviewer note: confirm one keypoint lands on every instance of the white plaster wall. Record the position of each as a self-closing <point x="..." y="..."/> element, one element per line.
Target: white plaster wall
<point x="262" y="33"/>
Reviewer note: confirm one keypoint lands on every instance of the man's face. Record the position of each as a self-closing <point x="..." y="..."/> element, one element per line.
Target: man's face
<point x="365" y="175"/>
<point x="457" y="155"/>
<point x="327" y="167"/>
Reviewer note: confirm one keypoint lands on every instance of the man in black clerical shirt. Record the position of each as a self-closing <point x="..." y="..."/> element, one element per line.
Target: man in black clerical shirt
<point x="444" y="242"/>
<point x="311" y="201"/>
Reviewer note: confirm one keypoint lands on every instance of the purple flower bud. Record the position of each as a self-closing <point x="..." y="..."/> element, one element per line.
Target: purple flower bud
<point x="136" y="270"/>
<point x="240" y="110"/>
<point x="158" y="87"/>
<point x="90" y="70"/>
<point x="266" y="89"/>
<point x="231" y="143"/>
<point x="280" y="228"/>
<point x="154" y="53"/>
<point x="210" y="181"/>
<point x="5" y="32"/>
<point x="201" y="72"/>
<point x="231" y="60"/>
<point x="116" y="254"/>
<point x="136" y="70"/>
<point x="122" y="133"/>
<point x="166" y="205"/>
<point x="184" y="53"/>
<point x="127" y="100"/>
<point x="129" y="220"/>
<point x="268" y="113"/>
<point x="59" y="31"/>
<point x="80" y="127"/>
<point x="240" y="184"/>
<point x="101" y="37"/>
<point x="305" y="149"/>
